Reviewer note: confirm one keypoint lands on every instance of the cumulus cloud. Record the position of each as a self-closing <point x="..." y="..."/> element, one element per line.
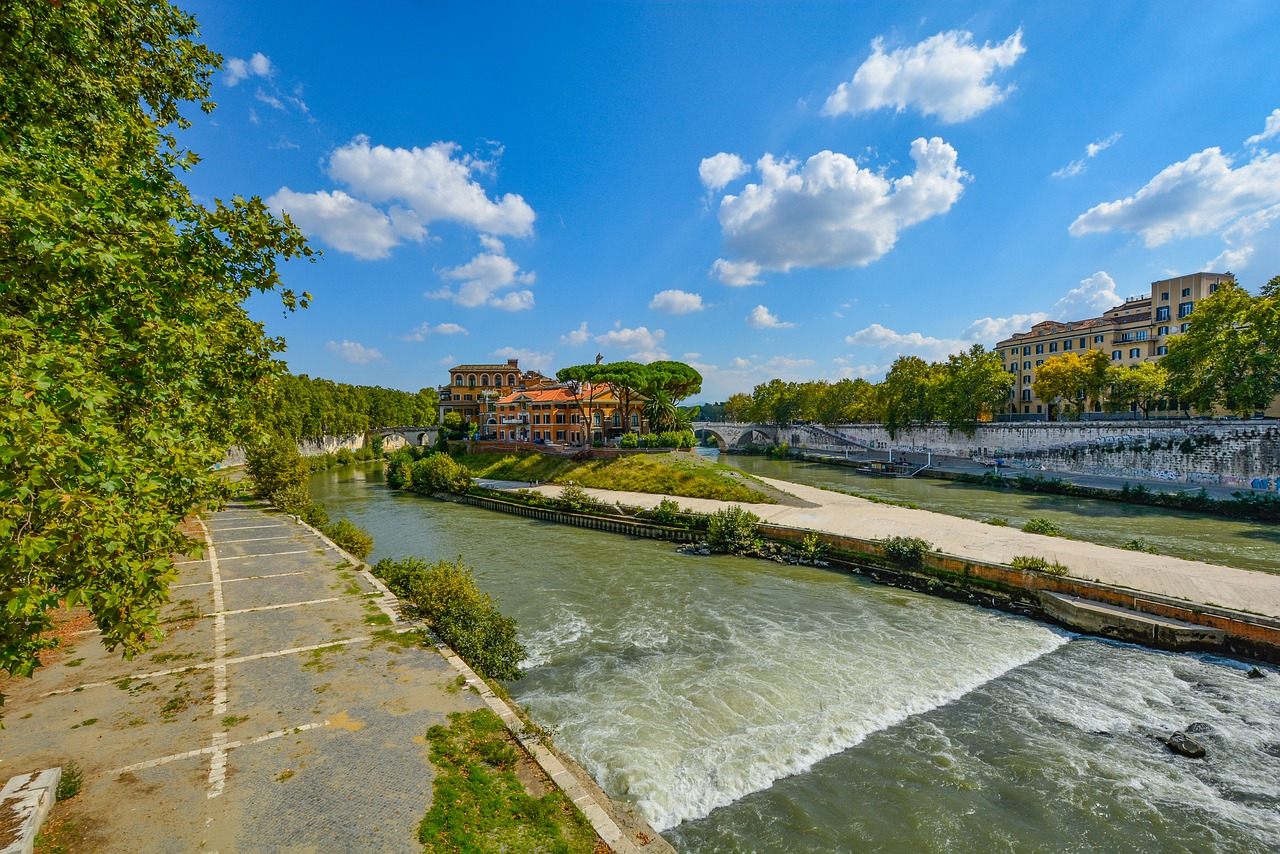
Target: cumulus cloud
<point x="715" y="172"/>
<point x="736" y="274"/>
<point x="528" y="358"/>
<point x="236" y="71"/>
<point x="761" y="318"/>
<point x="576" y="337"/>
<point x="353" y="352"/>
<point x="647" y="346"/>
<point x="1272" y="128"/>
<point x="1093" y="149"/>
<point x="946" y="75"/>
<point x="721" y="380"/>
<point x="346" y="223"/>
<point x="423" y="330"/>
<point x="1204" y="194"/>
<point x="676" y="302"/>
<point x="482" y="278"/>
<point x="829" y="212"/>
<point x="1090" y="298"/>
<point x="436" y="182"/>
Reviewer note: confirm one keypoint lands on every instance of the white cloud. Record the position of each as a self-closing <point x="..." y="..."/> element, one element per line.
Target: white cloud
<point x="647" y="346"/>
<point x="1201" y="195"/>
<point x="736" y="274"/>
<point x="528" y="358"/>
<point x="492" y="244"/>
<point x="715" y="172"/>
<point x="449" y="360"/>
<point x="237" y="70"/>
<point x="946" y="75"/>
<point x="482" y="278"/>
<point x="1272" y="128"/>
<point x="829" y="212"/>
<point x="576" y="337"/>
<point x="347" y="224"/>
<point x="1093" y="296"/>
<point x="741" y="373"/>
<point x="423" y="330"/>
<point x="353" y="352"/>
<point x="1093" y="149"/>
<point x="436" y="182"/>
<point x="761" y="318"/>
<point x="676" y="302"/>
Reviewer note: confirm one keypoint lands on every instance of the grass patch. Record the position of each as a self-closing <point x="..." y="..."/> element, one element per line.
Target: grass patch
<point x="231" y="720"/>
<point x="683" y="475"/>
<point x="400" y="639"/>
<point x="75" y="662"/>
<point x="479" y="805"/>
<point x="378" y="619"/>
<point x="1046" y="527"/>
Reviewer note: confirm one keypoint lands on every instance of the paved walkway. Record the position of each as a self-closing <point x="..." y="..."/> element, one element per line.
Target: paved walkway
<point x="280" y="714"/>
<point x="836" y="513"/>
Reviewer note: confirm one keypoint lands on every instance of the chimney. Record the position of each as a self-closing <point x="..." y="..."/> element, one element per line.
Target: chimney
<point x="513" y="363"/>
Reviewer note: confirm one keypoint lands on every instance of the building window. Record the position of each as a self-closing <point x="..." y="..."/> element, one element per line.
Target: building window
<point x="467" y="397"/>
<point x="457" y="379"/>
<point x="1135" y="353"/>
<point x="1083" y="344"/>
<point x="1026" y="378"/>
<point x="484" y="379"/>
<point x="1162" y="313"/>
<point x="1162" y="351"/>
<point x="573" y="419"/>
<point x="1039" y="349"/>
<point x="1186" y="292"/>
<point x="635" y="421"/>
<point x="1097" y="339"/>
<point x="595" y="419"/>
<point x="1066" y="345"/>
<point x="1026" y="351"/>
<point x="559" y="435"/>
<point x="1127" y="336"/>
<point x="1026" y="366"/>
<point x="1163" y="330"/>
<point x="1039" y="362"/>
<point x="1142" y="334"/>
<point x="511" y="379"/>
<point x="1213" y="289"/>
<point x="560" y="417"/>
<point x="1053" y="346"/>
<point x="1039" y="407"/>
<point x="471" y="380"/>
<point x="617" y="419"/>
<point x="1184" y="327"/>
<point x="1185" y="308"/>
<point x="1115" y="354"/>
<point x="1026" y="394"/>
<point x="1164" y="298"/>
<point x="497" y="380"/>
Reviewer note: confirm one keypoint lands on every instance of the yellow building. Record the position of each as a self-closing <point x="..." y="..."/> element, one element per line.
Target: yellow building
<point x="1131" y="333"/>
<point x="564" y="414"/>
<point x="473" y="390"/>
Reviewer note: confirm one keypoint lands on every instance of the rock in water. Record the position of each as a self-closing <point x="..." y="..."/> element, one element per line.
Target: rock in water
<point x="1256" y="673"/>
<point x="1199" y="728"/>
<point x="1185" y="745"/>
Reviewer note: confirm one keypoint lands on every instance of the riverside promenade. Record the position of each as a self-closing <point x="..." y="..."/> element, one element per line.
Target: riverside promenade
<point x="281" y="713"/>
<point x="835" y="513"/>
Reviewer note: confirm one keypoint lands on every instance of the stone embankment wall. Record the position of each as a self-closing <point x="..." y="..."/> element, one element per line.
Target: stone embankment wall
<point x="391" y="440"/>
<point x="1214" y="453"/>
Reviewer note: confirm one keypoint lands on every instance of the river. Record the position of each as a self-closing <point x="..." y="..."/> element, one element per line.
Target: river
<point x="745" y="706"/>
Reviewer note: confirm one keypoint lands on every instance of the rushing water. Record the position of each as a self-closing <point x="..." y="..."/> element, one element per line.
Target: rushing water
<point x="1229" y="542"/>
<point x="747" y="706"/>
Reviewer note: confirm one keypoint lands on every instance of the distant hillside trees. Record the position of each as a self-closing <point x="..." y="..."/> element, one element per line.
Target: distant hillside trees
<point x="300" y="407"/>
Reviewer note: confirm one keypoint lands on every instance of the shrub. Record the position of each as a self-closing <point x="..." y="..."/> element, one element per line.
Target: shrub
<point x="439" y="473"/>
<point x="628" y="440"/>
<point x="812" y="548"/>
<point x="374" y="447"/>
<point x="446" y="595"/>
<point x="732" y="530"/>
<point x="1041" y="525"/>
<point x="72" y="781"/>
<point x="1038" y="564"/>
<point x="667" y="512"/>
<point x="344" y="456"/>
<point x="294" y="500"/>
<point x="398" y="469"/>
<point x="316" y="516"/>
<point x="351" y="537"/>
<point x="276" y="466"/>
<point x="575" y="499"/>
<point x="906" y="551"/>
<point x="998" y="521"/>
<point x="1138" y="544"/>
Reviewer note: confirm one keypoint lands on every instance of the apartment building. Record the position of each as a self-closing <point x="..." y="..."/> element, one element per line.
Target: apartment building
<point x="473" y="390"/>
<point x="1136" y="331"/>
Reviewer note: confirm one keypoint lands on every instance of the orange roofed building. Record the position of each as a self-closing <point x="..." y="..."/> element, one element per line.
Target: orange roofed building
<point x="472" y="390"/>
<point x="564" y="413"/>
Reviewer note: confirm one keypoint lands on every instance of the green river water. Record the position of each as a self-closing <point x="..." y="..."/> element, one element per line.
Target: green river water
<point x="745" y="706"/>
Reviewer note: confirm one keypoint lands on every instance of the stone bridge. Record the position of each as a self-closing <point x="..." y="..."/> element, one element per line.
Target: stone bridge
<point x="733" y="434"/>
<point x="398" y="437"/>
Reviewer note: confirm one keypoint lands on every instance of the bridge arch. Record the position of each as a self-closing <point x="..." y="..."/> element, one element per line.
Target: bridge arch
<point x="708" y="433"/>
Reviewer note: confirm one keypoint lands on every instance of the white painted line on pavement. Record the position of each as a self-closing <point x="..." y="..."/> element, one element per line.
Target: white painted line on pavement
<point x="221" y="614"/>
<point x="227" y="746"/>
<point x="257" y="539"/>
<point x="245" y="578"/>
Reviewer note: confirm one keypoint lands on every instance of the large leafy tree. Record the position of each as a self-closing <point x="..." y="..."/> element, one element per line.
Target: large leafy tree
<point x="775" y="402"/>
<point x="1229" y="356"/>
<point x="1077" y="380"/>
<point x="130" y="364"/>
<point x="1141" y="387"/>
<point x="974" y="385"/>
<point x="909" y="393"/>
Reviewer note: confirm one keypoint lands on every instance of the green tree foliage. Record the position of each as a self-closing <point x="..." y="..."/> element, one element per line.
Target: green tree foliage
<point x="130" y="362"/>
<point x="356" y="540"/>
<point x="732" y="530"/>
<point x="1229" y="356"/>
<point x="775" y="402"/>
<point x="661" y="412"/>
<point x="1142" y="387"/>
<point x="439" y="473"/>
<point x="670" y="382"/>
<point x="446" y="595"/>
<point x="1075" y="380"/>
<point x="738" y="407"/>
<point x="306" y="408"/>
<point x="909" y="393"/>
<point x="973" y="386"/>
<point x="278" y="472"/>
<point x="845" y="402"/>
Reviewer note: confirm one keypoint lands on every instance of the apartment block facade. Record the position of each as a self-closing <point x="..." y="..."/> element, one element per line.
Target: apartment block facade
<point x="1134" y="332"/>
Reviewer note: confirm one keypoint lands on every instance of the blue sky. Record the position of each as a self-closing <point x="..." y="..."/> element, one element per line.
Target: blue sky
<point x="801" y="190"/>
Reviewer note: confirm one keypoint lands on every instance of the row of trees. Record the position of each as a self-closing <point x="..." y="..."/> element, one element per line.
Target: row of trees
<point x="966" y="388"/>
<point x="662" y="385"/>
<point x="303" y="408"/>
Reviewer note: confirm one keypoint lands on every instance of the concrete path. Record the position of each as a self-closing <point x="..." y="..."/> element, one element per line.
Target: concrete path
<point x="279" y="715"/>
<point x="1194" y="581"/>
